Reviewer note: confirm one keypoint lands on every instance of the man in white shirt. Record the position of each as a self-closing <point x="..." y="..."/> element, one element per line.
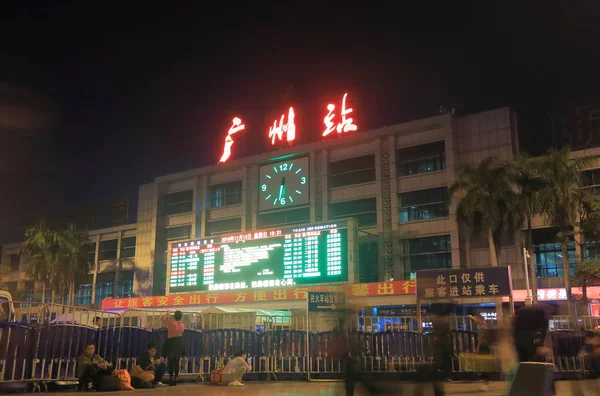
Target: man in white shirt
<point x="235" y="369"/>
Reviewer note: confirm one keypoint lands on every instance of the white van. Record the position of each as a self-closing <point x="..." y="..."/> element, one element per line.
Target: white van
<point x="7" y="308"/>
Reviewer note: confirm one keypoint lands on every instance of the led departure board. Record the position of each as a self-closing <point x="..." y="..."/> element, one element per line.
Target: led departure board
<point x="306" y="255"/>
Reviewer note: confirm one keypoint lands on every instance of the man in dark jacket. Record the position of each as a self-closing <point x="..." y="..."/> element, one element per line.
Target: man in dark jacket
<point x="149" y="361"/>
<point x="90" y="367"/>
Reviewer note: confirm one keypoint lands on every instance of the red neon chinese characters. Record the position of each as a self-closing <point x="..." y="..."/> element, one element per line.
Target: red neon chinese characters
<point x="236" y="127"/>
<point x="290" y="128"/>
<point x="346" y="125"/>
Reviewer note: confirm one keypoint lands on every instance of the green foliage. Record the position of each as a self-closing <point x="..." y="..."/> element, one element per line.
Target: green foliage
<point x="588" y="270"/>
<point x="486" y="195"/>
<point x="55" y="255"/>
<point x="562" y="196"/>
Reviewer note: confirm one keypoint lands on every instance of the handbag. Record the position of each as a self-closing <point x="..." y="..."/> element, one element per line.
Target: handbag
<point x="216" y="376"/>
<point x="124" y="377"/>
<point x="145" y="375"/>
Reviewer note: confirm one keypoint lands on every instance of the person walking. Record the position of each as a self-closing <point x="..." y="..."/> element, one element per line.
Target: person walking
<point x="173" y="347"/>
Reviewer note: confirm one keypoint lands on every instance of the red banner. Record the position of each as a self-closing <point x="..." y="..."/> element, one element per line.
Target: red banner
<point x="377" y="289"/>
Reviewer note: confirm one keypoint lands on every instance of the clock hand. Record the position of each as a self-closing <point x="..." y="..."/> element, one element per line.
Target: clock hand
<point x="282" y="188"/>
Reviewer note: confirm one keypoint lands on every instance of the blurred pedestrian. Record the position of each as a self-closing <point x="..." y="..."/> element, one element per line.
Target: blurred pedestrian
<point x="590" y="357"/>
<point x="530" y="329"/>
<point x="441" y="344"/>
<point x="483" y="346"/>
<point x="173" y="347"/>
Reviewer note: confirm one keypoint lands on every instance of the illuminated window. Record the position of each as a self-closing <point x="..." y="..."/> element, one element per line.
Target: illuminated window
<point x="104" y="290"/>
<point x="126" y="289"/>
<point x="108" y="250"/>
<point x="83" y="294"/>
<point x="128" y="247"/>
<point x="548" y="260"/>
<point x="363" y="210"/>
<point x="351" y="171"/>
<point x="226" y="194"/>
<point x="423" y="205"/>
<point x="420" y="159"/>
<point x="425" y="253"/>
<point x="179" y="202"/>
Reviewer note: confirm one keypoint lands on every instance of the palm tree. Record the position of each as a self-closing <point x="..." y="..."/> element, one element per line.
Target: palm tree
<point x="72" y="257"/>
<point x="56" y="256"/>
<point x="562" y="198"/>
<point x="486" y="199"/>
<point x="41" y="248"/>
<point x="529" y="185"/>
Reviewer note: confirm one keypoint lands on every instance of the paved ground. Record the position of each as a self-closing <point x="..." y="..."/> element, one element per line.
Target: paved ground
<point x="299" y="388"/>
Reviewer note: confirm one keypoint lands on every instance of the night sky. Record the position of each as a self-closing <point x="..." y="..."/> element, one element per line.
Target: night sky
<point x="141" y="91"/>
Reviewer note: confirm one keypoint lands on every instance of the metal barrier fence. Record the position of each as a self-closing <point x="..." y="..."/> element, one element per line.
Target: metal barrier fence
<point x="40" y="343"/>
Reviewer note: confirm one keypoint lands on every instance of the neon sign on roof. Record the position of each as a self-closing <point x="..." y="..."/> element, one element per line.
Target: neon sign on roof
<point x="236" y="127"/>
<point x="277" y="131"/>
<point x="345" y="123"/>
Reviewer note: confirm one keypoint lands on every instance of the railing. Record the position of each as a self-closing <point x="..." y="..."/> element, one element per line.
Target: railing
<point x="41" y="342"/>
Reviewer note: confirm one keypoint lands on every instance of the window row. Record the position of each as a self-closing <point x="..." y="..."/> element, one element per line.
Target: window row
<point x="351" y="171"/>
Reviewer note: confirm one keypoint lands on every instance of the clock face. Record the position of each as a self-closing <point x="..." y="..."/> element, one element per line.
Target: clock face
<point x="283" y="184"/>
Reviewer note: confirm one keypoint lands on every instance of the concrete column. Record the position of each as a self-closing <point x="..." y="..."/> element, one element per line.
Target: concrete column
<point x="96" y="269"/>
<point x="119" y="266"/>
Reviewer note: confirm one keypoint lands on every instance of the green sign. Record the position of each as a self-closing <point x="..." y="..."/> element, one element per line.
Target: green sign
<point x="307" y="255"/>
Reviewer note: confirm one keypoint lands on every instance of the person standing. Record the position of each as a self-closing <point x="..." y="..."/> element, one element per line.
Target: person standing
<point x="173" y="347"/>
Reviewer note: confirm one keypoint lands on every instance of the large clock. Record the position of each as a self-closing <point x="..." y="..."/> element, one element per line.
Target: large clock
<point x="283" y="184"/>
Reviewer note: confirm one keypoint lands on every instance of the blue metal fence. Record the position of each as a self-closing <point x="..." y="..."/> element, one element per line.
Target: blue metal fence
<point x="40" y="347"/>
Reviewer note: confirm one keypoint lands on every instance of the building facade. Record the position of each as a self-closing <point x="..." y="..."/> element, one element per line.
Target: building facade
<point x="392" y="181"/>
<point x="112" y="249"/>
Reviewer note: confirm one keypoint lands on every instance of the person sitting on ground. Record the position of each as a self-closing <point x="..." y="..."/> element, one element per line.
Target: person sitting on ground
<point x="235" y="369"/>
<point x="148" y="361"/>
<point x="90" y="367"/>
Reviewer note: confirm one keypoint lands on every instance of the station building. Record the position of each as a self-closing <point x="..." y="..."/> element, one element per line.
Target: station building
<point x="390" y="184"/>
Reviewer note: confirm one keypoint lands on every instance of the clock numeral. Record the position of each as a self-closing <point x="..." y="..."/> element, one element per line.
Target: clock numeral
<point x="282" y="201"/>
<point x="264" y="187"/>
<point x="283" y="167"/>
<point x="303" y="180"/>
